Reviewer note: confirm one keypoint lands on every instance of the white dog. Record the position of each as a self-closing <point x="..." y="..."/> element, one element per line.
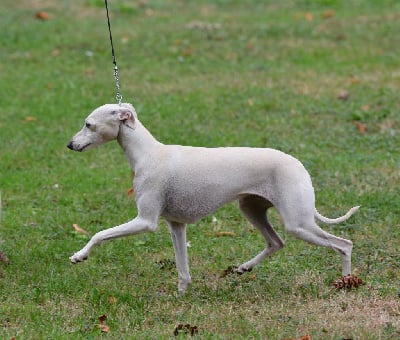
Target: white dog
<point x="184" y="183"/>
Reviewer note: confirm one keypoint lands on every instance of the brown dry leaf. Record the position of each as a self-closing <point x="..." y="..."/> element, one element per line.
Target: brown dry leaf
<point x="187" y="52"/>
<point x="365" y="107"/>
<point x="361" y="127"/>
<point x="185" y="329"/>
<point x="304" y="337"/>
<point x="131" y="192"/>
<point x="42" y="15"/>
<point x="354" y="80"/>
<point x="228" y="271"/>
<point x="341" y="36"/>
<point x="4" y="258"/>
<point x="104" y="328"/>
<point x="224" y="233"/>
<point x="30" y="119"/>
<point x="328" y="14"/>
<point x="343" y="95"/>
<point x="252" y="277"/>
<point x="102" y="318"/>
<point x="89" y="72"/>
<point x="308" y="16"/>
<point x="79" y="230"/>
<point x="112" y="300"/>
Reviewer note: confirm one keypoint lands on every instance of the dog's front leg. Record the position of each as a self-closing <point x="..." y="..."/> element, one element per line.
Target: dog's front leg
<point x="137" y="225"/>
<point x="178" y="234"/>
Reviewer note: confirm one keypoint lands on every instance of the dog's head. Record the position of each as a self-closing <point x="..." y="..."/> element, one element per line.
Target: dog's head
<point x="103" y="125"/>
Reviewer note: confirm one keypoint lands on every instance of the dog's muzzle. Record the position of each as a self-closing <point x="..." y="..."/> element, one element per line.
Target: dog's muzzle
<point x="70" y="145"/>
<point x="77" y="148"/>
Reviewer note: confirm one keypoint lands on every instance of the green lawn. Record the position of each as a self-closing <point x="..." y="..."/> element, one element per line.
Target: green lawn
<point x="211" y="73"/>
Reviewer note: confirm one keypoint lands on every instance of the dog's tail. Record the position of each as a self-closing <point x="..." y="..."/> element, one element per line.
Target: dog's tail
<point x="336" y="220"/>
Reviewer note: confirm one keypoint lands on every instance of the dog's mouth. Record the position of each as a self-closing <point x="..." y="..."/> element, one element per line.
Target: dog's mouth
<point x="83" y="147"/>
<point x="72" y="147"/>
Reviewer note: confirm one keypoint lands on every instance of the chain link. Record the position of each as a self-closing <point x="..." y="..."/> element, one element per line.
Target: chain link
<point x="119" y="95"/>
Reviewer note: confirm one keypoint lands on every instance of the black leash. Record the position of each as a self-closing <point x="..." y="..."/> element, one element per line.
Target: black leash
<point x="119" y="95"/>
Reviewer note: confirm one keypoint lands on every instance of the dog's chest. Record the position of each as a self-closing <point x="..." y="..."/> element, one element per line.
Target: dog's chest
<point x="192" y="202"/>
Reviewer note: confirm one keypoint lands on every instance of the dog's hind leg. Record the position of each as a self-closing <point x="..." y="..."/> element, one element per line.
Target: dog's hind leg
<point x="309" y="231"/>
<point x="255" y="210"/>
<point x="178" y="235"/>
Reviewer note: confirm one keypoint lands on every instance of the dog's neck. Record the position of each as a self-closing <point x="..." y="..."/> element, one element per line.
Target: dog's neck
<point x="136" y="143"/>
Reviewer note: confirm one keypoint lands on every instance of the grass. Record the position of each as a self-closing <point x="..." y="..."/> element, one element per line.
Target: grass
<point x="265" y="74"/>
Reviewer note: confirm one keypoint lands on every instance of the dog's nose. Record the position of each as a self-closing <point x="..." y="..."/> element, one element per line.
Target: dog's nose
<point x="70" y="146"/>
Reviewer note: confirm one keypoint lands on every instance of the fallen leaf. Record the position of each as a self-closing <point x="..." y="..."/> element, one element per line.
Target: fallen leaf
<point x="365" y="107"/>
<point x="309" y="16"/>
<point x="42" y="15"/>
<point x="225" y="233"/>
<point x="304" y="337"/>
<point x="166" y="264"/>
<point x="340" y="36"/>
<point x="185" y="329"/>
<point x="354" y="80"/>
<point x="104" y="328"/>
<point x="328" y="14"/>
<point x="79" y="230"/>
<point x="131" y="192"/>
<point x="4" y="258"/>
<point x="112" y="300"/>
<point x="187" y="52"/>
<point x="343" y="95"/>
<point x="361" y="127"/>
<point x="30" y="119"/>
<point x="89" y="72"/>
<point x="252" y="277"/>
<point x="102" y="318"/>
<point x="228" y="271"/>
<point x="55" y="52"/>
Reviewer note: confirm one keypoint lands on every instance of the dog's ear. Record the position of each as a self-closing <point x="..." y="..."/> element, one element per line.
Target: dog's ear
<point x="127" y="117"/>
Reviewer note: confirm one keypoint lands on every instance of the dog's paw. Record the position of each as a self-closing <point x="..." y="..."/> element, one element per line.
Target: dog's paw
<point x="182" y="286"/>
<point x="242" y="269"/>
<point x="235" y="270"/>
<point x="79" y="257"/>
